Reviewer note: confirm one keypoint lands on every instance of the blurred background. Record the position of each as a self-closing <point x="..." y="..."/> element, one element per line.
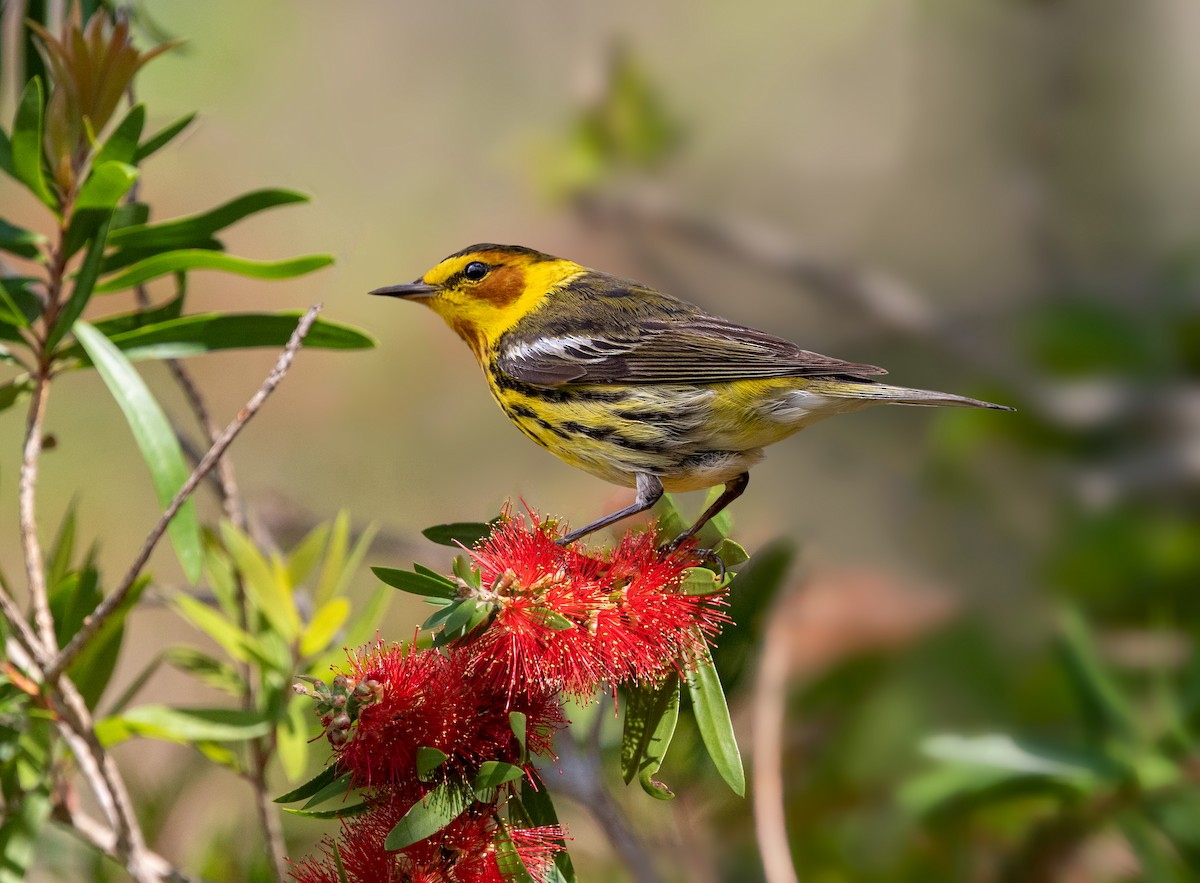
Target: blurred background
<point x="998" y="198"/>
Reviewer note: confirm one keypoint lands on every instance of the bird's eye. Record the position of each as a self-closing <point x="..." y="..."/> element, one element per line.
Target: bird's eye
<point x="476" y="270"/>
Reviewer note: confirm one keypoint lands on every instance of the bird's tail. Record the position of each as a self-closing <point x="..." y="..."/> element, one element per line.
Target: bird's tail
<point x="883" y="393"/>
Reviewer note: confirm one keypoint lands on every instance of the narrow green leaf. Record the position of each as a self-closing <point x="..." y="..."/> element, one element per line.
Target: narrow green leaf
<point x="185" y="232"/>
<point x="650" y="717"/>
<point x="14" y="391"/>
<point x="508" y="861"/>
<point x="302" y="560"/>
<point x="464" y="570"/>
<point x="201" y="259"/>
<point x="519" y="724"/>
<point x="338" y="787"/>
<point x="161" y="138"/>
<point x="536" y="800"/>
<point x="127" y="214"/>
<point x="494" y="773"/>
<point x="234" y="640"/>
<point x="62" y="553"/>
<point x="415" y="583"/>
<point x="346" y="813"/>
<point x="210" y="332"/>
<point x="116" y="324"/>
<point x="323" y="627"/>
<point x="20" y="833"/>
<point x="338" y="865"/>
<point x="428" y="760"/>
<point x="439" y="616"/>
<point x="731" y="554"/>
<point x="183" y="724"/>
<point x="712" y="718"/>
<point x="18" y="304"/>
<point x="19" y="241"/>
<point x="553" y="619"/>
<point x="97" y="201"/>
<point x="6" y="160"/>
<point x="311" y="787"/>
<point x="434" y="811"/>
<point x="468" y="533"/>
<point x="291" y="739"/>
<point x="1018" y="756"/>
<point x="155" y="438"/>
<point x="1097" y="691"/>
<point x="366" y="622"/>
<point x="265" y="587"/>
<point x="122" y="144"/>
<point x="27" y="165"/>
<point x="205" y="669"/>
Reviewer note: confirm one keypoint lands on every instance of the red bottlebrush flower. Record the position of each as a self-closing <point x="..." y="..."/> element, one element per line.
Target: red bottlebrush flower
<point x="570" y="619"/>
<point x="426" y="699"/>
<point x="462" y="852"/>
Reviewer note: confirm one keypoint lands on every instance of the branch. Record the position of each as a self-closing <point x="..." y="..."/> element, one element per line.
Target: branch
<point x="582" y="781"/>
<point x="35" y="562"/>
<point x="112" y="602"/>
<point x="770" y="700"/>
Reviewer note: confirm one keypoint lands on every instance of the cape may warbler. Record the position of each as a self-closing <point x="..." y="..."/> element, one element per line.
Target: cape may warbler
<point x="633" y="385"/>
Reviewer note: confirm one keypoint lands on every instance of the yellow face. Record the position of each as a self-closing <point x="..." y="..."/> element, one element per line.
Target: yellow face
<point x="484" y="290"/>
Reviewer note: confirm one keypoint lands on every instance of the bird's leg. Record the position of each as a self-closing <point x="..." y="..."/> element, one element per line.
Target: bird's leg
<point x="649" y="491"/>
<point x="734" y="488"/>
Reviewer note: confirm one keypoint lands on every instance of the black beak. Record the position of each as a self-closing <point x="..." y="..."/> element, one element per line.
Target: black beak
<point x="410" y="289"/>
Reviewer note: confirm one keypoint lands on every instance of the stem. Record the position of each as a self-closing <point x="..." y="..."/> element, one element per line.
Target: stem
<point x="268" y="815"/>
<point x="770" y="698"/>
<point x="35" y="562"/>
<point x="112" y="602"/>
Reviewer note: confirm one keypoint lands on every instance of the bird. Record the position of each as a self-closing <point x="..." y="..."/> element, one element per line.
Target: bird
<point x="633" y="385"/>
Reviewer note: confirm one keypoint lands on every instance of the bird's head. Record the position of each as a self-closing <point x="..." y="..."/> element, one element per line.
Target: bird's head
<point x="484" y="290"/>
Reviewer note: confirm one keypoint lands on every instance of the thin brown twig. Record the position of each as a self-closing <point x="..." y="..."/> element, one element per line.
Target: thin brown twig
<point x="109" y="605"/>
<point x="583" y="782"/>
<point x="35" y="562"/>
<point x="770" y="696"/>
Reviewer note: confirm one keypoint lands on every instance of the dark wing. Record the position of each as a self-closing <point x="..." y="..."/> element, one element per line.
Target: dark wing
<point x="612" y="331"/>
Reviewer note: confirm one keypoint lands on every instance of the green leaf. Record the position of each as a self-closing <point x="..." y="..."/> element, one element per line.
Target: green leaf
<point x="508" y="861"/>
<point x="338" y="864"/>
<point x="161" y="138"/>
<point x="81" y="292"/>
<point x="201" y="259"/>
<point x="494" y="773"/>
<point x="206" y="669"/>
<point x="185" y="232"/>
<point x="323" y="627"/>
<point x="19" y="241"/>
<point x="210" y="332"/>
<point x="428" y="760"/>
<point x="155" y="438"/>
<point x="430" y="814"/>
<point x="265" y="586"/>
<point x="14" y="391"/>
<point x="20" y="833"/>
<point x="6" y="160"/>
<point x="519" y="724"/>
<point x="468" y="533"/>
<point x="122" y="144"/>
<point x="337" y="787"/>
<point x="345" y="813"/>
<point x="97" y="200"/>
<point x="27" y="163"/>
<point x="699" y="581"/>
<point x="712" y="718"/>
<point x="650" y="716"/>
<point x="1002" y="751"/>
<point x="18" y="304"/>
<point x="291" y="739"/>
<point x="750" y="596"/>
<point x="416" y="583"/>
<point x="120" y="323"/>
<point x="183" y="724"/>
<point x="536" y="800"/>
<point x="311" y="787"/>
<point x="731" y="554"/>
<point x="303" y="559"/>
<point x="233" y="639"/>
<point x="463" y="569"/>
<point x="1106" y="708"/>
